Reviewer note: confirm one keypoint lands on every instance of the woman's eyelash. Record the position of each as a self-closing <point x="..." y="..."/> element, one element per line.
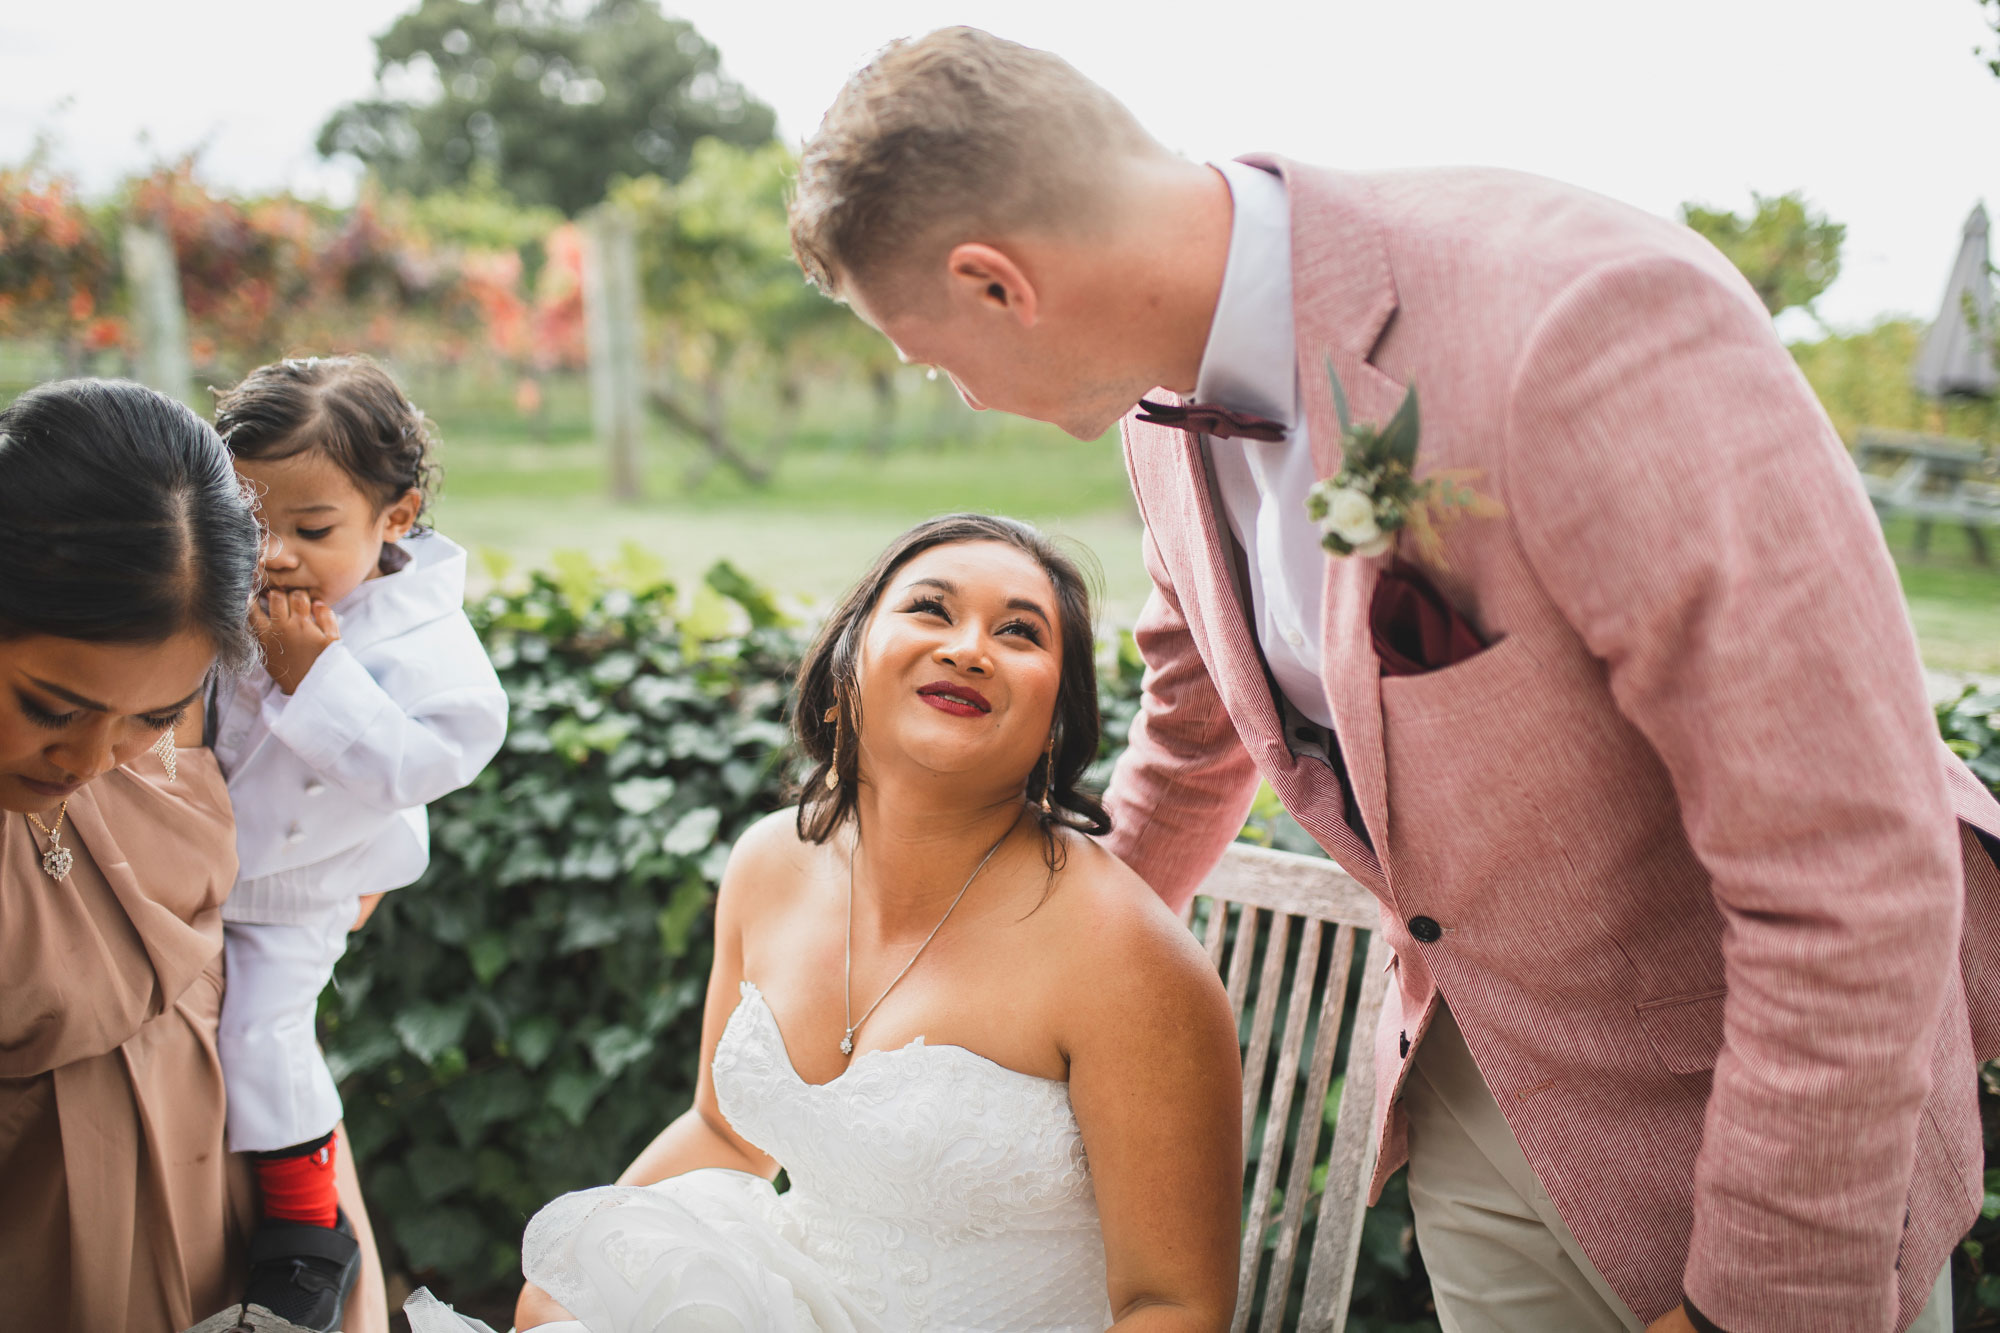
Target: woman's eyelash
<point x="314" y="534"/>
<point x="934" y="607"/>
<point x="41" y="716"/>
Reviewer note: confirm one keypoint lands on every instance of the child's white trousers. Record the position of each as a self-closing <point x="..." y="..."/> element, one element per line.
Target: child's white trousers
<point x="280" y="1092"/>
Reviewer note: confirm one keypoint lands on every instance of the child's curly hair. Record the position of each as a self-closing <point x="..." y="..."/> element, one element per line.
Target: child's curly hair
<point x="348" y="408"/>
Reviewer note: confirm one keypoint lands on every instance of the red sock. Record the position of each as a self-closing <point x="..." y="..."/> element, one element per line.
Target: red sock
<point x="298" y="1186"/>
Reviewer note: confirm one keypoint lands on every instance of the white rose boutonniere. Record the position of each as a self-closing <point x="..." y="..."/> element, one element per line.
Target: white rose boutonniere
<point x="1376" y="494"/>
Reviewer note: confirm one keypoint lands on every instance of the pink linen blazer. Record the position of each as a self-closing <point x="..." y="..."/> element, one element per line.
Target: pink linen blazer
<point x="1699" y="858"/>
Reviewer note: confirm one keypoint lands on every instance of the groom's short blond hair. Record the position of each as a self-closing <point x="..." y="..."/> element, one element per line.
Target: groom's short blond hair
<point x="947" y="137"/>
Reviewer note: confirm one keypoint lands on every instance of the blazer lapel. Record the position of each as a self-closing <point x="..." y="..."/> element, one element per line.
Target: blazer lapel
<point x="1343" y="296"/>
<point x="1172" y="478"/>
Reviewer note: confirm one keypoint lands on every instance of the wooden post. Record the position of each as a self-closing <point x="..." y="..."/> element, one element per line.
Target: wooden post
<point x="611" y="332"/>
<point x="159" y="321"/>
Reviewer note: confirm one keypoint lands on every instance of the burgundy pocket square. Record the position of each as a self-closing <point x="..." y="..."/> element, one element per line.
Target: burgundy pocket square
<point x="1415" y="629"/>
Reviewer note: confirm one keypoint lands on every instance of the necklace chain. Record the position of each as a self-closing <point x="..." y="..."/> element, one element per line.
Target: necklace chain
<point x="57" y="860"/>
<point x="847" y="1040"/>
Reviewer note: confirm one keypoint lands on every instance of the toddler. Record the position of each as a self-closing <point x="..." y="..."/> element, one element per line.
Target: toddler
<point x="377" y="699"/>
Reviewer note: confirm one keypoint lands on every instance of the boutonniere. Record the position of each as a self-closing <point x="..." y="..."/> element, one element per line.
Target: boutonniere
<point x="1377" y="495"/>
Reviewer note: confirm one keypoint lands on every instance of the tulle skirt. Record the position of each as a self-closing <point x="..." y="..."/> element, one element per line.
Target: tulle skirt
<point x="711" y="1251"/>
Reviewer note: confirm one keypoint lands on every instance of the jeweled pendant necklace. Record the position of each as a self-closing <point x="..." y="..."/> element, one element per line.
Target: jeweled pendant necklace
<point x="57" y="860"/>
<point x="847" y="1039"/>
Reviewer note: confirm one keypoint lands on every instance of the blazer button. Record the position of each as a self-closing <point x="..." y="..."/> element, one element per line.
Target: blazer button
<point x="1425" y="930"/>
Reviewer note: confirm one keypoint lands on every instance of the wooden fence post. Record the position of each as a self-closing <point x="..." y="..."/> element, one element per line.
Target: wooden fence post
<point x="611" y="332"/>
<point x="159" y="321"/>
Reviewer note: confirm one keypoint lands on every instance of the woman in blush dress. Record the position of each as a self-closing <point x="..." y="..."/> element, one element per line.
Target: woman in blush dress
<point x="1000" y="1076"/>
<point x="127" y="555"/>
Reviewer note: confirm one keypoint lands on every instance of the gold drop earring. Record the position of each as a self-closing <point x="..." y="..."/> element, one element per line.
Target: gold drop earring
<point x="1049" y="778"/>
<point x="164" y="747"/>
<point x="833" y="765"/>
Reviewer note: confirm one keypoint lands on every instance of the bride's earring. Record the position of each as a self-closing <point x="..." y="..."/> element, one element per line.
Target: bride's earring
<point x="164" y="747"/>
<point x="1049" y="778"/>
<point x="833" y="765"/>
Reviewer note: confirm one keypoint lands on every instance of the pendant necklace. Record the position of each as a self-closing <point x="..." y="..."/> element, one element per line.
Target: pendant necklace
<point x="56" y="860"/>
<point x="847" y="1040"/>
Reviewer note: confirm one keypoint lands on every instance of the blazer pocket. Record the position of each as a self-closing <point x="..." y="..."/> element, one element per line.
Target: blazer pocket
<point x="1471" y="685"/>
<point x="1685" y="1030"/>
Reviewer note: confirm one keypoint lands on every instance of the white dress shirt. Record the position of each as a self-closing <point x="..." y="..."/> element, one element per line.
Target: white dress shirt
<point x="1250" y="365"/>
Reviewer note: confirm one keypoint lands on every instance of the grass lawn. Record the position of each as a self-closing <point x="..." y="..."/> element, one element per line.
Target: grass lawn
<point x="832" y="506"/>
<point x="835" y="502"/>
<point x="1954" y="602"/>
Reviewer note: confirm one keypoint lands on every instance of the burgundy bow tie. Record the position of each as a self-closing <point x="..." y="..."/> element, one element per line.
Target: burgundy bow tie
<point x="1211" y="419"/>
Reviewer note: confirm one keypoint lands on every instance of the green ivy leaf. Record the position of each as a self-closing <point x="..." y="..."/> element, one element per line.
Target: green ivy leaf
<point x="574" y="1091"/>
<point x="732" y="583"/>
<point x="489" y="956"/>
<point x="533" y="1038"/>
<point x="677" y="919"/>
<point x="427" y="1030"/>
<point x="692" y="832"/>
<point x="616" y="1047"/>
<point x="642" y="796"/>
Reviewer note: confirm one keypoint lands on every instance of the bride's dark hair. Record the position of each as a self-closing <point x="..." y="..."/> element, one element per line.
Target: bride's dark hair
<point x="827" y="680"/>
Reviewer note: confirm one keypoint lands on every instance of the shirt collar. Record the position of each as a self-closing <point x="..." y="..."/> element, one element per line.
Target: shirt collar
<point x="1248" y="364"/>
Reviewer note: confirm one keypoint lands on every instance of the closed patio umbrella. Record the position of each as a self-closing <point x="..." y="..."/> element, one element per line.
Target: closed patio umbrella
<point x="1957" y="356"/>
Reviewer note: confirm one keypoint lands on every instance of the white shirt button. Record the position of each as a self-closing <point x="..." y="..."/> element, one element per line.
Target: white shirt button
<point x="295" y="835"/>
<point x="1293" y="637"/>
<point x="314" y="787"/>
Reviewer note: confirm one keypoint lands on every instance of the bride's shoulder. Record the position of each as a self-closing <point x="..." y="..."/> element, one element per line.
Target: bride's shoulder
<point x="766" y="857"/>
<point x="1113" y="914"/>
<point x="1130" y="966"/>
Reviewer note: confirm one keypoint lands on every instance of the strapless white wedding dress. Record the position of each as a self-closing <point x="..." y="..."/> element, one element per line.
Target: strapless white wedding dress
<point x="931" y="1189"/>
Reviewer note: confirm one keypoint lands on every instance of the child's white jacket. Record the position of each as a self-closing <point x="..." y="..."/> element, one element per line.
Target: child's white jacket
<point x="330" y="783"/>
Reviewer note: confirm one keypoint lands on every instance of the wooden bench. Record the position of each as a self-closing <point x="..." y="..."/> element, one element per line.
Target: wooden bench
<point x="1285" y="931"/>
<point x="1930" y="478"/>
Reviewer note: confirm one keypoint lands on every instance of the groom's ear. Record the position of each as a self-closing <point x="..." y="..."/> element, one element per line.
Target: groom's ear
<point x="989" y="279"/>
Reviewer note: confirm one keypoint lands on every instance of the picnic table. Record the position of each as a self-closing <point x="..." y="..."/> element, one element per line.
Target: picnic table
<point x="1931" y="478"/>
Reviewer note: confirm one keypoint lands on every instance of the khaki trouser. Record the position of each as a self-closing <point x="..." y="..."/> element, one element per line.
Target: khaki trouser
<point x="1500" y="1259"/>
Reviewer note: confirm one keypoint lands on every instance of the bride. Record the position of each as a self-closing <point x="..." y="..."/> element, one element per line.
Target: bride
<point x="1000" y="1076"/>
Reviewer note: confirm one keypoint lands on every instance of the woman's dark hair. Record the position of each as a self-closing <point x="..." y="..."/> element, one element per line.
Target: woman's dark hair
<point x="122" y="521"/>
<point x="346" y="407"/>
<point x="827" y="680"/>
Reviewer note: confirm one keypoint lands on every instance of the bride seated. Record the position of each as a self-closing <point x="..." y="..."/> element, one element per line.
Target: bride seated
<point x="1000" y="1076"/>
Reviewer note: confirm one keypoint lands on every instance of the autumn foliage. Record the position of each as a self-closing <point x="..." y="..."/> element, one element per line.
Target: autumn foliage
<point x="269" y="276"/>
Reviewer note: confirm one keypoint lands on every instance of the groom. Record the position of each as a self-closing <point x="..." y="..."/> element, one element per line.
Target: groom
<point x="1692" y="912"/>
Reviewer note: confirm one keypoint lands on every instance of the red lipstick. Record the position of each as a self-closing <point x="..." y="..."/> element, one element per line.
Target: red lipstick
<point x="958" y="700"/>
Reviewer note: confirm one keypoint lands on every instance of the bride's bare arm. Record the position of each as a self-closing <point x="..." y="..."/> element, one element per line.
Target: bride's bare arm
<point x="1156" y="1083"/>
<point x="701" y="1137"/>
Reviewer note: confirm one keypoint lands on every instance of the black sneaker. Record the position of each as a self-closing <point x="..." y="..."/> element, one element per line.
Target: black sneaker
<point x="303" y="1273"/>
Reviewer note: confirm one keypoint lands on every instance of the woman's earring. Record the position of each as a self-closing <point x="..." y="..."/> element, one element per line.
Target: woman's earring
<point x="164" y="747"/>
<point x="833" y="765"/>
<point x="1049" y="778"/>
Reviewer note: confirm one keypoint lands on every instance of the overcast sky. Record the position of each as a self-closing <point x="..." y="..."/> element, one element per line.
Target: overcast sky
<point x="1877" y="109"/>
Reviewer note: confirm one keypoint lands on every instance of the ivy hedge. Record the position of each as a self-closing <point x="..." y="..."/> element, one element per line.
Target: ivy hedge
<point x="525" y="1019"/>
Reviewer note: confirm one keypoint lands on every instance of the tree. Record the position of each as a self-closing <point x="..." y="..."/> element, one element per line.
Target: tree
<point x="58" y="269"/>
<point x="552" y="102"/>
<point x="716" y="264"/>
<point x="1788" y="251"/>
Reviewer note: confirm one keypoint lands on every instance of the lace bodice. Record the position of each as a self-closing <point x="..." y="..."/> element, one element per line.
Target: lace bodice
<point x="931" y="1189"/>
<point x="945" y="1191"/>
